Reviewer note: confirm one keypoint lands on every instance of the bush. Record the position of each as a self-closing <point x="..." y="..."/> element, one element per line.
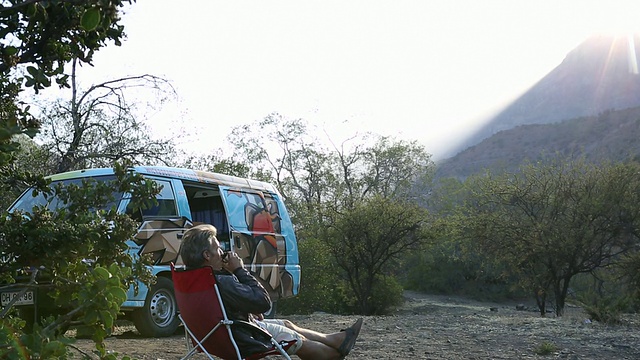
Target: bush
<point x="445" y="268"/>
<point x="321" y="288"/>
<point x="604" y="309"/>
<point x="546" y="348"/>
<point x="603" y="296"/>
<point x="387" y="295"/>
<point x="433" y="271"/>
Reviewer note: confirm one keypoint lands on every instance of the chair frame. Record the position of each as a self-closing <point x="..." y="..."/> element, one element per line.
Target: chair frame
<point x="198" y="345"/>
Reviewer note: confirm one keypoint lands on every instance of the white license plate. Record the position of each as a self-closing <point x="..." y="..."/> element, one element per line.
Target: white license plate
<point x="26" y="299"/>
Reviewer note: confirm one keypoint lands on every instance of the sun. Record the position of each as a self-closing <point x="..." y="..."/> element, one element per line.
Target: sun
<point x="619" y="18"/>
<point x="614" y="18"/>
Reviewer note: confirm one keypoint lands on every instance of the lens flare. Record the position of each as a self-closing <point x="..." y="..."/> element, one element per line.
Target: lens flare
<point x="633" y="61"/>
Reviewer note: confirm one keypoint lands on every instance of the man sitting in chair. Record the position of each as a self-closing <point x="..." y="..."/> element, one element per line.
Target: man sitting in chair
<point x="246" y="299"/>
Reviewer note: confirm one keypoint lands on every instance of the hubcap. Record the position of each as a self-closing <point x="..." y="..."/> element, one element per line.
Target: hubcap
<point x="162" y="308"/>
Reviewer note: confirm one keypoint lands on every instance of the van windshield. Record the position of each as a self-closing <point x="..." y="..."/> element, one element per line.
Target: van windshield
<point x="27" y="201"/>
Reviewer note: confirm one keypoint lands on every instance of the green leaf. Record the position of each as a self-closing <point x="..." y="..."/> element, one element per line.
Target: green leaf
<point x="101" y="273"/>
<point x="31" y="10"/>
<point x="119" y="294"/>
<point x="10" y="50"/>
<point x="90" y="19"/>
<point x="91" y="317"/>
<point x="33" y="71"/>
<point x="107" y="319"/>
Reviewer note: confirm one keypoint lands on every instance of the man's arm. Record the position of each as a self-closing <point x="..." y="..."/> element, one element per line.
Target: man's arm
<point x="242" y="292"/>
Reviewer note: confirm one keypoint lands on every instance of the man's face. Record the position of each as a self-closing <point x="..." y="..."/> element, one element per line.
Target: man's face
<point x="213" y="256"/>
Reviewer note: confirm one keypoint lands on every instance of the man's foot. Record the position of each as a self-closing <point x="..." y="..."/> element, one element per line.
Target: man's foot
<point x="350" y="339"/>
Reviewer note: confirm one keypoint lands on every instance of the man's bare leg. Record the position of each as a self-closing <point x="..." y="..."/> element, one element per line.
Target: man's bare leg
<point x="313" y="350"/>
<point x="333" y="340"/>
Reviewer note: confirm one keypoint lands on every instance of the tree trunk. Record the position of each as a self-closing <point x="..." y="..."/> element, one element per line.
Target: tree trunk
<point x="541" y="300"/>
<point x="560" y="290"/>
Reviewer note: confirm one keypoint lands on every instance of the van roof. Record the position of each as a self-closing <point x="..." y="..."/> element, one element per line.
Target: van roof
<point x="175" y="173"/>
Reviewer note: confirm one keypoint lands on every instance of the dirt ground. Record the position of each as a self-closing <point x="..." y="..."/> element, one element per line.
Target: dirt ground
<point x="442" y="327"/>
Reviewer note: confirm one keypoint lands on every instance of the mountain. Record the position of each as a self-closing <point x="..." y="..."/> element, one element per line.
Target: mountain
<point x="600" y="74"/>
<point x="588" y="104"/>
<point x="612" y="135"/>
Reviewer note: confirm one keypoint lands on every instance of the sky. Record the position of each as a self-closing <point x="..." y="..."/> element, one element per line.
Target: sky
<point x="423" y="70"/>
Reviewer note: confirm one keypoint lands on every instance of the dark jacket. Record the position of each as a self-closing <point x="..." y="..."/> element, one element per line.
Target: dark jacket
<point x="242" y="295"/>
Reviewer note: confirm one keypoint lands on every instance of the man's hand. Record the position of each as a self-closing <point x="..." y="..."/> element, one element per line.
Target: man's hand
<point x="233" y="262"/>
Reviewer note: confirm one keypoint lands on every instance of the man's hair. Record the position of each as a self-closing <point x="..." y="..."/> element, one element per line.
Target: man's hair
<point x="195" y="241"/>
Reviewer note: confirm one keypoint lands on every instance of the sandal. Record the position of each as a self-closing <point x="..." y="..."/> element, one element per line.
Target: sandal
<point x="350" y="339"/>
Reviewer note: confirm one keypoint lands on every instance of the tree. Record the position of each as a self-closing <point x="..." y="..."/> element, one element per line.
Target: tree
<point x="30" y="160"/>
<point x="552" y="221"/>
<point x="37" y="39"/>
<point x="77" y="255"/>
<point x="48" y="34"/>
<point x="318" y="181"/>
<point x="285" y="151"/>
<point x="369" y="239"/>
<point x="98" y="127"/>
<point x="217" y="162"/>
<point x="329" y="191"/>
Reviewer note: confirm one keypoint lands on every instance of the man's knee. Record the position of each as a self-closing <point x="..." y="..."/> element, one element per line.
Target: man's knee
<point x="288" y="324"/>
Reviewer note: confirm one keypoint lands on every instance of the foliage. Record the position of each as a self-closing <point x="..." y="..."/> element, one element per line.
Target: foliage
<point x="79" y="249"/>
<point x="301" y="168"/>
<point x="609" y="135"/>
<point x="553" y="221"/>
<point x="603" y="295"/>
<point x="217" y="163"/>
<point x="28" y="157"/>
<point x="546" y="348"/>
<point x="436" y="269"/>
<point x="321" y="288"/>
<point x="317" y="181"/>
<point x="48" y="34"/>
<point x="354" y="195"/>
<point x="628" y="270"/>
<point x="368" y="240"/>
<point x="604" y="308"/>
<point x="97" y="127"/>
<point x="386" y="295"/>
<point x="37" y="39"/>
<point x="78" y="255"/>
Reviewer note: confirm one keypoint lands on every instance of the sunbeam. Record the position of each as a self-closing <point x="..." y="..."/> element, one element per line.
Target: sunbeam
<point x="633" y="61"/>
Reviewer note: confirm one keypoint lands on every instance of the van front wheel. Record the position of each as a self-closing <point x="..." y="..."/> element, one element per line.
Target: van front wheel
<point x="158" y="317"/>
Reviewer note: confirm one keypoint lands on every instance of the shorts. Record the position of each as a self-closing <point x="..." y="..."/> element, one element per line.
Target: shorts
<point x="280" y="332"/>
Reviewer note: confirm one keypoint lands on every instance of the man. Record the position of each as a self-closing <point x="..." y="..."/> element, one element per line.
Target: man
<point x="246" y="299"/>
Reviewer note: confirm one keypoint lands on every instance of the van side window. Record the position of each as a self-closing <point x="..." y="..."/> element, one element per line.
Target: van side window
<point x="166" y="202"/>
<point x="261" y="213"/>
<point x="166" y="206"/>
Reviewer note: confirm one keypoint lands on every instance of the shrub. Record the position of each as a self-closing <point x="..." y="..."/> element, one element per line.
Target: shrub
<point x="546" y="348"/>
<point x="387" y="295"/>
<point x="604" y="309"/>
<point x="321" y="289"/>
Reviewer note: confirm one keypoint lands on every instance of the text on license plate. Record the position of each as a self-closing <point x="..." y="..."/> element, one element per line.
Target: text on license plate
<point x="26" y="299"/>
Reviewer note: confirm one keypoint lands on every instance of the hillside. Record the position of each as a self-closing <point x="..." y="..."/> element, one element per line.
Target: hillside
<point x="610" y="135"/>
<point x="599" y="75"/>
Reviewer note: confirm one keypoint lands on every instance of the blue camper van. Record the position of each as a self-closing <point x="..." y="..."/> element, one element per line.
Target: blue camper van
<point x="250" y="216"/>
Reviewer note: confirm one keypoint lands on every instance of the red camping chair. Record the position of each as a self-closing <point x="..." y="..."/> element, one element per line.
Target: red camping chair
<point x="207" y="327"/>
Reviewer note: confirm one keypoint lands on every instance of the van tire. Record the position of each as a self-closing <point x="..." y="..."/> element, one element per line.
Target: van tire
<point x="159" y="316"/>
